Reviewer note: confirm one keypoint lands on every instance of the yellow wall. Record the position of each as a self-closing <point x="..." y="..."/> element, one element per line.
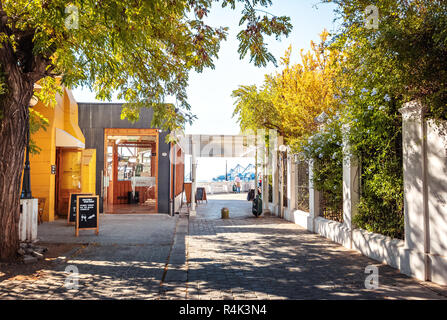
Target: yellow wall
<point x="89" y="171"/>
<point x="42" y="181"/>
<point x="64" y="116"/>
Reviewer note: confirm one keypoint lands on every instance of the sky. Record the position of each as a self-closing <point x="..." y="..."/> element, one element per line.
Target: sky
<point x="209" y="92"/>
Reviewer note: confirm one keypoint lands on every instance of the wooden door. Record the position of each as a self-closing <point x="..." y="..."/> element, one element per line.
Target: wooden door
<point x="68" y="178"/>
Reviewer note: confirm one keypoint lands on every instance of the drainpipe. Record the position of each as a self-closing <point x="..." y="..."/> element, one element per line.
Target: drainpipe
<point x="173" y="180"/>
<point x="192" y="212"/>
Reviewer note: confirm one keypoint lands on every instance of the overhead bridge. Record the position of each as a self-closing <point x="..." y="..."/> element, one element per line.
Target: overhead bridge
<point x="214" y="146"/>
<point x="218" y="146"/>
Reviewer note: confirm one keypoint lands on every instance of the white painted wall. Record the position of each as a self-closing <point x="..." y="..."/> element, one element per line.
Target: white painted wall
<point x="436" y="149"/>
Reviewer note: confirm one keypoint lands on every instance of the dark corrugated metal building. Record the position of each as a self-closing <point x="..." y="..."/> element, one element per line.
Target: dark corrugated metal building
<point x="94" y="120"/>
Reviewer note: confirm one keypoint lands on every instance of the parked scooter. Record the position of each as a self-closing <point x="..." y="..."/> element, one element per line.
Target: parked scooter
<point x="257" y="204"/>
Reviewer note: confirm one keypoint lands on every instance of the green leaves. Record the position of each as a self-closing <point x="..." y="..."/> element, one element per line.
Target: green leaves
<point x="46" y="93"/>
<point x="255" y="109"/>
<point x="143" y="50"/>
<point x="37" y="122"/>
<point x="383" y="69"/>
<point x="405" y="55"/>
<point x="251" y="38"/>
<point x="325" y="149"/>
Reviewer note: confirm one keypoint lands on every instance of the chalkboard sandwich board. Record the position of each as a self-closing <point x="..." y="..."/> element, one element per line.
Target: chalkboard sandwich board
<point x="72" y="206"/>
<point x="88" y="213"/>
<point x="201" y="194"/>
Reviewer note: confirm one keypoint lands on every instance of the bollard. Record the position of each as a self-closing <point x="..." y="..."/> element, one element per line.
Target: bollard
<point x="225" y="213"/>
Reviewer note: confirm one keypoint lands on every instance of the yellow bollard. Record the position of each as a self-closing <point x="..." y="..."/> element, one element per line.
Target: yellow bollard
<point x="225" y="213"/>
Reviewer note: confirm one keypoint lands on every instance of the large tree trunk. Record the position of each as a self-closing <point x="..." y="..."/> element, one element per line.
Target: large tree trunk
<point x="19" y="70"/>
<point x="13" y="136"/>
<point x="14" y="122"/>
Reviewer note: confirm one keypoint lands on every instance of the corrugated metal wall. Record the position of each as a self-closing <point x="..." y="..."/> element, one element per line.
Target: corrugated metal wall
<point x="95" y="117"/>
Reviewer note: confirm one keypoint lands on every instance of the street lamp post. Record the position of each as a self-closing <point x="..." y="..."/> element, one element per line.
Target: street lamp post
<point x="29" y="215"/>
<point x="26" y="183"/>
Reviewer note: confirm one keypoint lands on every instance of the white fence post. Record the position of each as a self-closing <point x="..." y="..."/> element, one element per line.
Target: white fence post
<point x="414" y="258"/>
<point x="314" y="197"/>
<point x="351" y="190"/>
<point x="274" y="177"/>
<point x="192" y="212"/>
<point x="291" y="187"/>
<point x="265" y="180"/>
<point x="436" y="226"/>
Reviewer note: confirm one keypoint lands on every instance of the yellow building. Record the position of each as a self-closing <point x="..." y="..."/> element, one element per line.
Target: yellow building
<point x="63" y="165"/>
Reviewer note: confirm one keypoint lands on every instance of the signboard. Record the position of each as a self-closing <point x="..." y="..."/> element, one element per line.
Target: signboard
<point x="72" y="206"/>
<point x="88" y="213"/>
<point x="201" y="194"/>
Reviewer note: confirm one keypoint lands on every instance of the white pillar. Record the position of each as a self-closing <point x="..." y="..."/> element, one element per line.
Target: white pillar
<point x="351" y="189"/>
<point x="192" y="212"/>
<point x="437" y="199"/>
<point x="281" y="183"/>
<point x="266" y="169"/>
<point x="282" y="177"/>
<point x="274" y="162"/>
<point x="291" y="186"/>
<point x="414" y="259"/>
<point x="276" y="142"/>
<point x="314" y="199"/>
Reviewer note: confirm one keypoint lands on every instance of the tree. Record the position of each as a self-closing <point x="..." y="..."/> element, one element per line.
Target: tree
<point x="398" y="60"/>
<point x="404" y="55"/>
<point x="290" y="100"/>
<point x="141" y="49"/>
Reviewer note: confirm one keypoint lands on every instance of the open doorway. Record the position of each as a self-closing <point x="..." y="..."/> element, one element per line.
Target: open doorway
<point x="131" y="171"/>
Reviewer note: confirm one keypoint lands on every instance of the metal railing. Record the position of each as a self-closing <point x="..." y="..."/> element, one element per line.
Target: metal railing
<point x="302" y="185"/>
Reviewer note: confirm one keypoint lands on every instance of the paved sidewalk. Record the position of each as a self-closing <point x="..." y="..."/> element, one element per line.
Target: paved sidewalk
<point x="127" y="260"/>
<point x="114" y="229"/>
<point x="162" y="257"/>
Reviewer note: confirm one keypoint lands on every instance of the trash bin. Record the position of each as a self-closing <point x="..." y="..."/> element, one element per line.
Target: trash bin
<point x="257" y="206"/>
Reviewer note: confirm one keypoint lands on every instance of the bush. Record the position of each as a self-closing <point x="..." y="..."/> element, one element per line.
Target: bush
<point x="376" y="139"/>
<point x="325" y="149"/>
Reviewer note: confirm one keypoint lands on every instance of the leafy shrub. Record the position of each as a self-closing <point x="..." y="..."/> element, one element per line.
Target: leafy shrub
<point x="325" y="149"/>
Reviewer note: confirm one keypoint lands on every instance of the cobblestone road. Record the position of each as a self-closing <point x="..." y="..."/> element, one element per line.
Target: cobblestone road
<point x="208" y="258"/>
<point x="268" y="258"/>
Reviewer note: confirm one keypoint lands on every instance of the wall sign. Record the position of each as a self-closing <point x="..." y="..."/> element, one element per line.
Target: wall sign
<point x="72" y="206"/>
<point x="88" y="213"/>
<point x="142" y="181"/>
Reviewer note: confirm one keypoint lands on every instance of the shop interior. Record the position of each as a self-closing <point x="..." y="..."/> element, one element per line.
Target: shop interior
<point x="131" y="173"/>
